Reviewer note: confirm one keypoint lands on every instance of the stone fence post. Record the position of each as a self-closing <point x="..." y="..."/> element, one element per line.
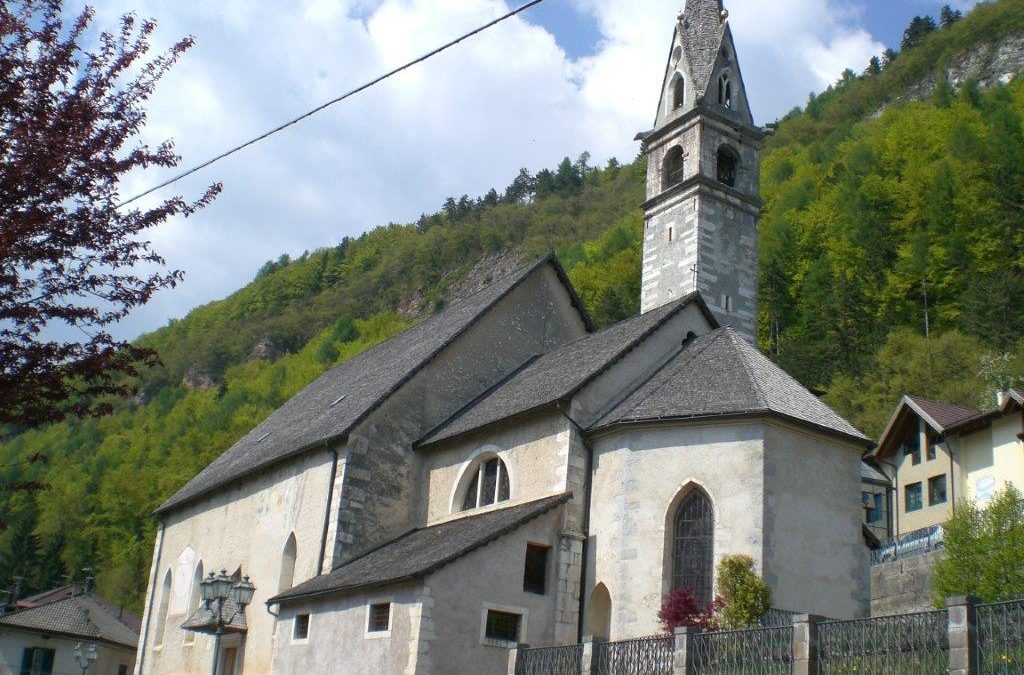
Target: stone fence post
<point x="513" y="658"/>
<point x="682" y="663"/>
<point x="805" y="644"/>
<point x="963" y="636"/>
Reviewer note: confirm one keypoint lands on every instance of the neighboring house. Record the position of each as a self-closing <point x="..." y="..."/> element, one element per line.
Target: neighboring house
<point x="938" y="454"/>
<point x="501" y="473"/>
<point x="38" y="635"/>
<point x="876" y="497"/>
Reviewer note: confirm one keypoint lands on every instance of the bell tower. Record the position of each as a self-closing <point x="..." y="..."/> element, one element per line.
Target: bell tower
<point x="702" y="208"/>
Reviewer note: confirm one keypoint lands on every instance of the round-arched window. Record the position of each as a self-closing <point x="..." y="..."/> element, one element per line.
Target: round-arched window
<point x="489" y="484"/>
<point x="673" y="171"/>
<point x="678" y="92"/>
<point x="728" y="165"/>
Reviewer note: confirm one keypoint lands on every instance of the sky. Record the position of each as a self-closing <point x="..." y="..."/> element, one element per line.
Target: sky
<point x="566" y="77"/>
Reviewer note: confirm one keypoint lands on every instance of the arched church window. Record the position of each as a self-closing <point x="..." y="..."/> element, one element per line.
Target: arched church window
<point x="673" y="172"/>
<point x="161" y="616"/>
<point x="678" y="92"/>
<point x="489" y="484"/>
<point x="693" y="545"/>
<point x="725" y="90"/>
<point x="728" y="166"/>
<point x="194" y="599"/>
<point x="287" y="577"/>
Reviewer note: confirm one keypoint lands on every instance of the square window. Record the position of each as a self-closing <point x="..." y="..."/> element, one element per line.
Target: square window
<point x="937" y="490"/>
<point x="379" y="619"/>
<point x="536" y="572"/>
<point x="502" y="626"/>
<point x="913" y="501"/>
<point x="301" y="630"/>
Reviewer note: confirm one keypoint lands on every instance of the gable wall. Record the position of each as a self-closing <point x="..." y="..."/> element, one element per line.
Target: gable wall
<point x="992" y="458"/>
<point x="381" y="497"/>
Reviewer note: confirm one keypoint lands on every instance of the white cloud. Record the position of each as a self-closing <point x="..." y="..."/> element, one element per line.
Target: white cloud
<point x="460" y="123"/>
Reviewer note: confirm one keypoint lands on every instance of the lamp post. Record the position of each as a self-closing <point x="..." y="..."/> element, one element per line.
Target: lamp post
<point x="214" y="591"/>
<point x="85" y="658"/>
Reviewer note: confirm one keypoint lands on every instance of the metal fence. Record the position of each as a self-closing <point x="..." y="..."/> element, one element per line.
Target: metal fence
<point x="643" y="656"/>
<point x="566" y="660"/>
<point x="910" y="644"/>
<point x="1001" y="637"/>
<point x="909" y="545"/>
<point x="760" y="651"/>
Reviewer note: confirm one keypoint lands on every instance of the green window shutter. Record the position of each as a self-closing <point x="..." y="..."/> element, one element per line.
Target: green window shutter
<point x="45" y="665"/>
<point x="26" y="661"/>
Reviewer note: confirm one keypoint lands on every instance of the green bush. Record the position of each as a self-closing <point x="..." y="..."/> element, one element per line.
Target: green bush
<point x="746" y="596"/>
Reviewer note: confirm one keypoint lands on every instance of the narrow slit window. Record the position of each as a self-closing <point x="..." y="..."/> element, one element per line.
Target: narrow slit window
<point x="536" y="571"/>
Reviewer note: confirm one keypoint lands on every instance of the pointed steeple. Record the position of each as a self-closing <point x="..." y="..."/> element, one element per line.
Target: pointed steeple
<point x="702" y="27"/>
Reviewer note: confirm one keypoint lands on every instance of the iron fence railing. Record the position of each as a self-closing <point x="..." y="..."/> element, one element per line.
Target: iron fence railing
<point x="1001" y="637"/>
<point x="759" y="651"/>
<point x="909" y="545"/>
<point x="567" y="660"/>
<point x="777" y="618"/>
<point x="910" y="644"/>
<point x="643" y="656"/>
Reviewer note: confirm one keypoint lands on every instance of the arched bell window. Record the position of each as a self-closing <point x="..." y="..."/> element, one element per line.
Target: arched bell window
<point x="678" y="92"/>
<point x="693" y="545"/>
<point x="488" y="485"/>
<point x="728" y="166"/>
<point x="674" y="166"/>
<point x="725" y="90"/>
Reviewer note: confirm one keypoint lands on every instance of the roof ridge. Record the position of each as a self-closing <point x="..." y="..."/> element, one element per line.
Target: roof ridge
<point x="747" y="366"/>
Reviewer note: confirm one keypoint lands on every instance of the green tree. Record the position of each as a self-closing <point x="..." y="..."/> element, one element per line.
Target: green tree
<point x="920" y="27"/>
<point x="983" y="550"/>
<point x="746" y="597"/>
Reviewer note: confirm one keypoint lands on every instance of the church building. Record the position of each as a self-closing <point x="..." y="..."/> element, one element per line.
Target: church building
<point x="502" y="473"/>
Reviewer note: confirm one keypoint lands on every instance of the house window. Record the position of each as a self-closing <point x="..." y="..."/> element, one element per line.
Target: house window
<point x="37" y="661"/>
<point x="913" y="498"/>
<point x="874" y="510"/>
<point x="937" y="490"/>
<point x="536" y="571"/>
<point x="673" y="170"/>
<point x="489" y="485"/>
<point x="301" y="629"/>
<point x="693" y="545"/>
<point x="502" y="626"/>
<point x="728" y="166"/>
<point x="929" y="445"/>
<point x="379" y="618"/>
<point x="912" y="448"/>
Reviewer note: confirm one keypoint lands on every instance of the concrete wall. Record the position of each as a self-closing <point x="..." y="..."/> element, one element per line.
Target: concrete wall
<point x="380" y="497"/>
<point x="902" y="586"/>
<point x="491" y="576"/>
<point x="246" y="525"/>
<point x="14" y="642"/>
<point x="815" y="558"/>
<point x="639" y="473"/>
<point x="338" y="642"/>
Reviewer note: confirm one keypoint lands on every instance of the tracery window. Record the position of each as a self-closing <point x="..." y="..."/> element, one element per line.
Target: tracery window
<point x="693" y="545"/>
<point x="489" y="485"/>
<point x="725" y="90"/>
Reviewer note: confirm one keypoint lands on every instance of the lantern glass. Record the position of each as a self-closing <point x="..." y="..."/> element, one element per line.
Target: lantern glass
<point x="222" y="585"/>
<point x="243" y="592"/>
<point x="206" y="589"/>
<point x="92" y="655"/>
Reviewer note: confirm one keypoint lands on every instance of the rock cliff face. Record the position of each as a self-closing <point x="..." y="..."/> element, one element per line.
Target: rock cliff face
<point x="988" y="64"/>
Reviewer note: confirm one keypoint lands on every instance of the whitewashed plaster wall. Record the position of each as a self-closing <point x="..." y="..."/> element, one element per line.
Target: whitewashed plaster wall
<point x="639" y="473"/>
<point x="14" y="642"/>
<point x="245" y="525"/>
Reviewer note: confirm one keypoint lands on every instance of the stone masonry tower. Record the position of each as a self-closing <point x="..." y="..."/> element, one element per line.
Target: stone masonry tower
<point x="700" y="217"/>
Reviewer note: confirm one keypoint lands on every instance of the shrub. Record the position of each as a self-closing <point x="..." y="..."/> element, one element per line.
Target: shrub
<point x="746" y="597"/>
<point x="683" y="608"/>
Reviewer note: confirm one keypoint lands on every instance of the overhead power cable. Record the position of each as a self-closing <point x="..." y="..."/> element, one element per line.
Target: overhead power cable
<point x="328" y="104"/>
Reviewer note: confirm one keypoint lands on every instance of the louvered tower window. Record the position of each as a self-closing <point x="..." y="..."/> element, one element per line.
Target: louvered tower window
<point x="693" y="546"/>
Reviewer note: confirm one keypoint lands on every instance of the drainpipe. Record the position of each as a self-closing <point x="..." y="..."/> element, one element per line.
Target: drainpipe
<point x="327" y="513"/>
<point x="154" y="573"/>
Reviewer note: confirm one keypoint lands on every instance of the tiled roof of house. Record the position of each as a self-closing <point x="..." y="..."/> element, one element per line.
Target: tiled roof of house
<point x="342" y="397"/>
<point x="422" y="551"/>
<point x="943" y="415"/>
<point x="703" y="30"/>
<point x="82" y="616"/>
<point x="721" y="375"/>
<point x="559" y="374"/>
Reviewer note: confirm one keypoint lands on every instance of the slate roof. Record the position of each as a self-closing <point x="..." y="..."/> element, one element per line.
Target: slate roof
<point x="719" y="375"/>
<point x="84" y="616"/>
<point x="559" y="374"/>
<point x="334" y="403"/>
<point x="870" y="473"/>
<point x="416" y="554"/>
<point x="702" y="31"/>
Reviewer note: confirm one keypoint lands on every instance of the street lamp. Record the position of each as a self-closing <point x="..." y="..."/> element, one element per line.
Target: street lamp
<point x="215" y="591"/>
<point x="85" y="658"/>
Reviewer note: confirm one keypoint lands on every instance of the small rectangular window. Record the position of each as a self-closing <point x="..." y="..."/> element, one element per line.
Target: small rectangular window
<point x="301" y="631"/>
<point x="930" y="451"/>
<point x="913" y="501"/>
<point x="536" y="573"/>
<point x="873" y="507"/>
<point x="379" y="620"/>
<point x="912" y="448"/>
<point x="502" y="626"/>
<point x="37" y="661"/>
<point x="670" y="234"/>
<point x="937" y="490"/>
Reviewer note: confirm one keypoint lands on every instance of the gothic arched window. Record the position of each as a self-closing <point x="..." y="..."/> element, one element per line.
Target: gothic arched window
<point x="194" y="599"/>
<point x="673" y="172"/>
<point x="728" y="165"/>
<point x="678" y="92"/>
<point x="287" y="577"/>
<point x="161" y="616"/>
<point x="725" y="90"/>
<point x="489" y="484"/>
<point x="693" y="545"/>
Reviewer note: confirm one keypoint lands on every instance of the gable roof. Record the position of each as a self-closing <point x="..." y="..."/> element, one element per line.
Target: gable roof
<point x="82" y="616"/>
<point x="721" y="375"/>
<point x="416" y="554"/>
<point x="338" y="400"/>
<point x="561" y="373"/>
<point x="939" y="416"/>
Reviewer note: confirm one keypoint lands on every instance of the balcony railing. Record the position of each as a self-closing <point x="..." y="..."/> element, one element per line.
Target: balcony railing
<point x="909" y="545"/>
